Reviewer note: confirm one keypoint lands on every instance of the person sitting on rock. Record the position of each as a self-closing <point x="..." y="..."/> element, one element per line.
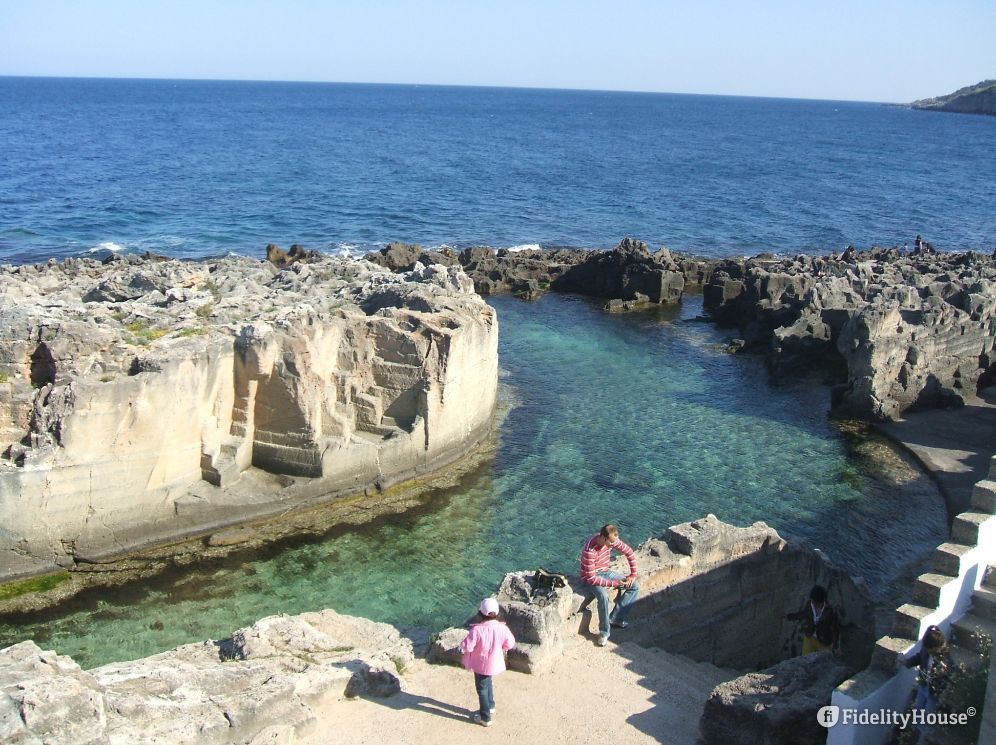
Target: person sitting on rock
<point x="820" y="624"/>
<point x="595" y="558"/>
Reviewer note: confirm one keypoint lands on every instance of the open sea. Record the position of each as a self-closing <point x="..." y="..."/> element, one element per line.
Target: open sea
<point x="640" y="419"/>
<point x="192" y="168"/>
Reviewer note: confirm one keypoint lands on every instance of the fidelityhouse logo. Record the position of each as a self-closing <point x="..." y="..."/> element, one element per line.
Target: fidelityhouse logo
<point x="830" y="716"/>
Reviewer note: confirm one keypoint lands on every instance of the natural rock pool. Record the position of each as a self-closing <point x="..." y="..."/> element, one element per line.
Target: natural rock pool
<point x="641" y="419"/>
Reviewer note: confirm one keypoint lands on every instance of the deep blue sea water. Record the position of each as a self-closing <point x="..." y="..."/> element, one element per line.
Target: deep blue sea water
<point x="192" y="168"/>
<point x="640" y="419"/>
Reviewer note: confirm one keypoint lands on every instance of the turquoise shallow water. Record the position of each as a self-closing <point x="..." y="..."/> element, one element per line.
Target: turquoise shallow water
<point x="638" y="419"/>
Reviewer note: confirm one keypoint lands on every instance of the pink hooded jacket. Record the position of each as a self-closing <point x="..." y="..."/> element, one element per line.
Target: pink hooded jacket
<point x="484" y="647"/>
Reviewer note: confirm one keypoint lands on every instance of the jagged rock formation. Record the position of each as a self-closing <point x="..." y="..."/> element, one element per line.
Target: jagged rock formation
<point x="711" y="591"/>
<point x="628" y="276"/>
<point x="629" y="272"/>
<point x="262" y="685"/>
<point x="776" y="706"/>
<point x="136" y="395"/>
<point x="902" y="330"/>
<point x="972" y="99"/>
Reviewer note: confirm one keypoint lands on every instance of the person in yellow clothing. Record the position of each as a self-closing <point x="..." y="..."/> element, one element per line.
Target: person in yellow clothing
<point x="820" y="623"/>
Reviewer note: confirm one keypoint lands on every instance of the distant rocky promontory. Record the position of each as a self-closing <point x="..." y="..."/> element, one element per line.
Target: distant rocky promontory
<point x="973" y="99"/>
<point x="143" y="400"/>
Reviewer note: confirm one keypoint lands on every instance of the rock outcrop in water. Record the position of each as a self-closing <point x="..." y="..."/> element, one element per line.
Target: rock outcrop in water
<point x="628" y="276"/>
<point x="898" y="330"/>
<point x="141" y="400"/>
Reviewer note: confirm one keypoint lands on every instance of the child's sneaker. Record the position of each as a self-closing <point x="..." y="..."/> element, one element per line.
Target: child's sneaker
<point x="476" y="717"/>
<point x="602" y="640"/>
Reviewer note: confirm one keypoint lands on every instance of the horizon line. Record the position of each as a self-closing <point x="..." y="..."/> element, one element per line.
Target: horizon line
<point x="447" y="85"/>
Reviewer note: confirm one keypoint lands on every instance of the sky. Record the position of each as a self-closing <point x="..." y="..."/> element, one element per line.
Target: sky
<point x="864" y="50"/>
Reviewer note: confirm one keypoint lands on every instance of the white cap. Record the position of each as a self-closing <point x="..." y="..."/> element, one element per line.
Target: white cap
<point x="489" y="607"/>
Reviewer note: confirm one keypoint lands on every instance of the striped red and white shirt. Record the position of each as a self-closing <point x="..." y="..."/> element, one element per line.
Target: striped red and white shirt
<point x="595" y="559"/>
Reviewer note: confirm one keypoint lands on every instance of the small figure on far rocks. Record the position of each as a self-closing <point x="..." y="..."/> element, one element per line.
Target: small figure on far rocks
<point x="595" y="574"/>
<point x="484" y="653"/>
<point x="820" y="624"/>
<point x="933" y="663"/>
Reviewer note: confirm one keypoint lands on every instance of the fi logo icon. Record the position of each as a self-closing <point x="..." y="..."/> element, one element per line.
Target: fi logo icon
<point x="828" y="716"/>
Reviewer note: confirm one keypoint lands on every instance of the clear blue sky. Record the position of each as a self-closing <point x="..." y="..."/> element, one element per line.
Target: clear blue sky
<point x="872" y="50"/>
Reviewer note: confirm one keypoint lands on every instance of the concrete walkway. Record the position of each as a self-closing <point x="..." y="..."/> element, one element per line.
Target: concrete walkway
<point x="954" y="445"/>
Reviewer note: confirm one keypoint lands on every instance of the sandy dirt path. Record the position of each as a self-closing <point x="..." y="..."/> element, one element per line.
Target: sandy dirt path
<point x="623" y="693"/>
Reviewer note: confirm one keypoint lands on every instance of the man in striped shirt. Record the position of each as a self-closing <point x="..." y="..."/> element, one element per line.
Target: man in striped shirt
<point x="595" y="558"/>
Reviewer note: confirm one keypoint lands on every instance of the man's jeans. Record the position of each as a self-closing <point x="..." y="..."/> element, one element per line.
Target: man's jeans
<point x="619" y="613"/>
<point x="485" y="695"/>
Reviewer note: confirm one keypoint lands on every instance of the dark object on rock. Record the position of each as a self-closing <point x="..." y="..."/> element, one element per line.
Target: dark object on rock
<point x="545" y="578"/>
<point x="298" y="253"/>
<point x="774" y="707"/>
<point x="149" y="256"/>
<point x="373" y="682"/>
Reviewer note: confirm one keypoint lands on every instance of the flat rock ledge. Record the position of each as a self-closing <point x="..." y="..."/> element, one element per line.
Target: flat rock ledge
<point x="143" y="400"/>
<point x="263" y="685"/>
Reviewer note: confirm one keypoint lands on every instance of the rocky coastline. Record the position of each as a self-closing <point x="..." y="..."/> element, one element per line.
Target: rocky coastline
<point x="891" y="329"/>
<point x="972" y="99"/>
<point x="146" y="400"/>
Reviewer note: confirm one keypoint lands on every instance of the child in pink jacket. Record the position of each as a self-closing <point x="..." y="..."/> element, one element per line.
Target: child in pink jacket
<point x="484" y="652"/>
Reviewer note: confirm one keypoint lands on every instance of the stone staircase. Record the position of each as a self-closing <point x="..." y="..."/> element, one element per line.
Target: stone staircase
<point x="972" y="638"/>
<point x="232" y="458"/>
<point x="970" y="634"/>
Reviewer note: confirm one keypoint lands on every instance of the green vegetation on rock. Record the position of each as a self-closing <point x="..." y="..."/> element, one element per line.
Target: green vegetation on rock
<point x="34" y="584"/>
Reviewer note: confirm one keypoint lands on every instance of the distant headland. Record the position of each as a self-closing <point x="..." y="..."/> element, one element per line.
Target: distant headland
<point x="973" y="99"/>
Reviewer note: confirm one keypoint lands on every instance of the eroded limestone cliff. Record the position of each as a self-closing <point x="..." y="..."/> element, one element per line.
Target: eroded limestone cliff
<point x="141" y="400"/>
<point x="900" y="330"/>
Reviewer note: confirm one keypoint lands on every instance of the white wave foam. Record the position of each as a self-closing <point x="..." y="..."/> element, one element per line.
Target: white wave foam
<point x="525" y="247"/>
<point x="106" y="246"/>
<point x="345" y="250"/>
